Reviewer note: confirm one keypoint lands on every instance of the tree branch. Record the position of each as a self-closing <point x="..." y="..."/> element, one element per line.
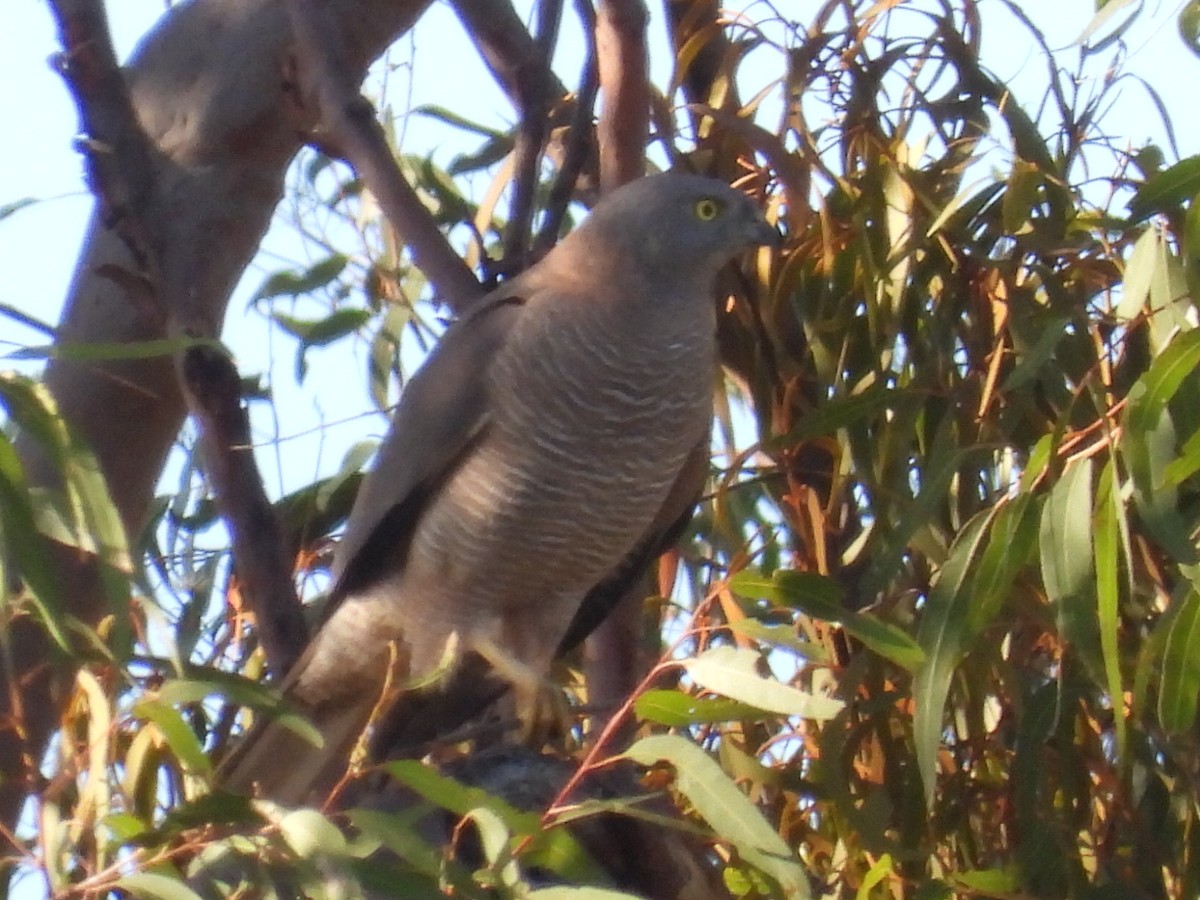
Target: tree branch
<point x="611" y="655"/>
<point x="120" y="156"/>
<point x="123" y="167"/>
<point x="351" y="125"/>
<point x="531" y="138"/>
<point x="579" y="142"/>
<point x="208" y="92"/>
<point x="259" y="556"/>
<point x="625" y="113"/>
<point x="517" y="63"/>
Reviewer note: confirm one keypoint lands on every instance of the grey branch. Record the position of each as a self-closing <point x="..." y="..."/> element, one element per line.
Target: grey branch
<point x="625" y="114"/>
<point x="349" y="122"/>
<point x="263" y="568"/>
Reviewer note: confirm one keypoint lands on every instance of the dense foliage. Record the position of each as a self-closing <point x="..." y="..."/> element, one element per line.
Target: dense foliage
<point x="934" y="631"/>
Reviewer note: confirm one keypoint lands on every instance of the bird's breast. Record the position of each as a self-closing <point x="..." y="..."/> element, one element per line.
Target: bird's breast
<point x="588" y="432"/>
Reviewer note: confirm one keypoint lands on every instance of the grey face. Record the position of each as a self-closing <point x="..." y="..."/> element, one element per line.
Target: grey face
<point x="681" y="220"/>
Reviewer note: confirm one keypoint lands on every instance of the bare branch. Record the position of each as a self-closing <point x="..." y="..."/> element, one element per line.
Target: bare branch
<point x="512" y="55"/>
<point x="625" y="113"/>
<point x="579" y="142"/>
<point x="262" y="565"/>
<point x="531" y="138"/>
<point x="349" y="123"/>
<point x="611" y="660"/>
<point x="118" y="152"/>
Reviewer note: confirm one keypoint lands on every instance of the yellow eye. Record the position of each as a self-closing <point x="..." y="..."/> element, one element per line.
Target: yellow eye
<point x="707" y="209"/>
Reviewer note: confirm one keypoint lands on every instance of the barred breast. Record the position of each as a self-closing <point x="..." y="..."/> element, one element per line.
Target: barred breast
<point x="594" y="415"/>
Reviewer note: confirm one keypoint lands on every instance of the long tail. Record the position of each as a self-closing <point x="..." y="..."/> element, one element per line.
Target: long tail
<point x="275" y="762"/>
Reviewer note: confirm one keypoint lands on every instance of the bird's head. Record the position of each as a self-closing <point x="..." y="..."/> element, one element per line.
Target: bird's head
<point x="680" y="222"/>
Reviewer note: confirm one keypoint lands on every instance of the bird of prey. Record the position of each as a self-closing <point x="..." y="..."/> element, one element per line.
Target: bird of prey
<point x="543" y="454"/>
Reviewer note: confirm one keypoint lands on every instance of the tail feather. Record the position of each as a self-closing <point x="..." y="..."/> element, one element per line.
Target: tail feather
<point x="274" y="761"/>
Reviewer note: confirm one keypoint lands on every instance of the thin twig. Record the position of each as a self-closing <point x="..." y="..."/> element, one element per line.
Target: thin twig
<point x="580" y="139"/>
<point x="531" y="138"/>
<point x="666" y="663"/>
<point x="349" y="123"/>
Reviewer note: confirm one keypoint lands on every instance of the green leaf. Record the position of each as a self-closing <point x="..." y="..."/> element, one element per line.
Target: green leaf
<point x="1066" y="534"/>
<point x="818" y="596"/>
<point x="1179" y="673"/>
<point x="309" y="833"/>
<point x="1021" y="197"/>
<point x="401" y="835"/>
<point x="1105" y="12"/>
<point x="1189" y="248"/>
<point x="1010" y="541"/>
<point x="178" y="734"/>
<point x="676" y="709"/>
<point x="554" y="848"/>
<point x="725" y="808"/>
<point x="154" y="886"/>
<point x="989" y="882"/>
<point x="242" y="691"/>
<point x="101" y="351"/>
<point x="1149" y="444"/>
<point x="783" y="636"/>
<point x="821" y="598"/>
<point x="1139" y="274"/>
<point x="943" y="634"/>
<point x="1166" y="191"/>
<point x="841" y="412"/>
<point x="25" y="548"/>
<point x="293" y="284"/>
<point x="733" y="672"/>
<point x="7" y="209"/>
<point x="449" y="117"/>
<point x="489" y="153"/>
<point x="495" y="840"/>
<point x="1185" y="465"/>
<point x="208" y="810"/>
<point x="1189" y="26"/>
<point x="1107" y="545"/>
<point x="453" y="795"/>
<point x="1030" y="363"/>
<point x="123" y="827"/>
<point x="85" y="510"/>
<point x="877" y="874"/>
<point x="319" y="332"/>
<point x="885" y="639"/>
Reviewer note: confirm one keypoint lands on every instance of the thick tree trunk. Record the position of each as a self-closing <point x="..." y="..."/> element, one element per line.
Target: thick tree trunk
<point x="213" y="90"/>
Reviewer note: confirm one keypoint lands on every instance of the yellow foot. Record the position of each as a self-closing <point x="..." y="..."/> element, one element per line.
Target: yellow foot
<point x="541" y="706"/>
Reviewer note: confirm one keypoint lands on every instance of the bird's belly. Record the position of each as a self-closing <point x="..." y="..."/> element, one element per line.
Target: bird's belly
<point x="534" y="520"/>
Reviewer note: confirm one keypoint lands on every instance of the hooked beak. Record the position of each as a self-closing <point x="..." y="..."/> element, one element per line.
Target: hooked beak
<point x="767" y="235"/>
<point x="762" y="233"/>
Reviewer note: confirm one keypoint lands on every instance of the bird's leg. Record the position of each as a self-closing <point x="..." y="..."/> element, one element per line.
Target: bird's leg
<point x="540" y="706"/>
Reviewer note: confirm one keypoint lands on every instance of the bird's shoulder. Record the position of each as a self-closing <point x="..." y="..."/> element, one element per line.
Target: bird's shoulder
<point x="442" y="410"/>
